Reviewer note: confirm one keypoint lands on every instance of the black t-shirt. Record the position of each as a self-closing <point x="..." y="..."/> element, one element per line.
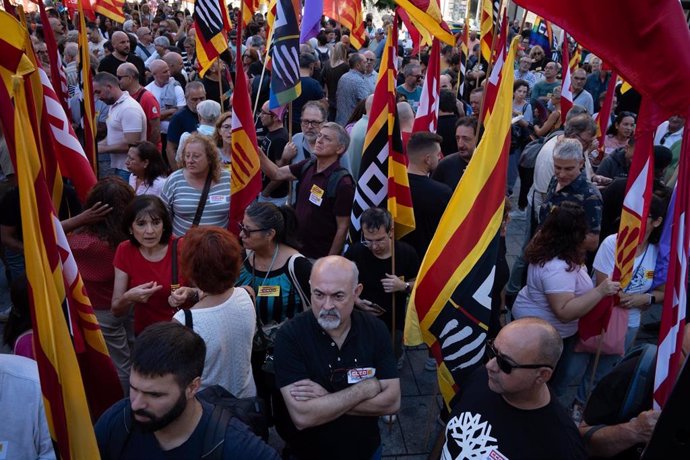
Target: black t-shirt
<point x="372" y="270"/>
<point x="303" y="350"/>
<point x="482" y="422"/>
<point x="213" y="91"/>
<point x="446" y="129"/>
<point x="450" y="170"/>
<point x="273" y="144"/>
<point x="429" y="201"/>
<point x="331" y="76"/>
<point x="110" y="64"/>
<point x="311" y="91"/>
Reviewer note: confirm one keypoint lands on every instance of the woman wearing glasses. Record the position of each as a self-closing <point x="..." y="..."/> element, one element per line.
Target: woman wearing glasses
<point x="559" y="289"/>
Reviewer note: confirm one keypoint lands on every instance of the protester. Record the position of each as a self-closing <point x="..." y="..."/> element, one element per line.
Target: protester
<point x="450" y="170"/>
<point x="618" y="134"/>
<point x="145" y="163"/>
<point x="185" y="120"/>
<point x="335" y="68"/>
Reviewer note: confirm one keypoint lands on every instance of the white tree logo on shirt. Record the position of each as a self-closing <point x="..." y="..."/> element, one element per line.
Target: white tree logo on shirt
<point x="467" y="437"/>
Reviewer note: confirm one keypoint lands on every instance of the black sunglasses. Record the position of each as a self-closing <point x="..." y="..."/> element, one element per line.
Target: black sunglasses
<point x="505" y="365"/>
<point x="249" y="232"/>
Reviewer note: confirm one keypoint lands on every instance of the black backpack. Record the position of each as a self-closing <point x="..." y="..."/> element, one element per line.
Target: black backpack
<point x="333" y="179"/>
<point x="528" y="157"/>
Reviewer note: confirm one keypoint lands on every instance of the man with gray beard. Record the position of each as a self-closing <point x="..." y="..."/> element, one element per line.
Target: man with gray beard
<point x="335" y="370"/>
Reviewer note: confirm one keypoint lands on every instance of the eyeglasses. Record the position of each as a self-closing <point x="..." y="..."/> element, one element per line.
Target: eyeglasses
<point x="504" y="364"/>
<point x="370" y="243"/>
<point x="249" y="232"/>
<point x="268" y="114"/>
<point x="311" y="122"/>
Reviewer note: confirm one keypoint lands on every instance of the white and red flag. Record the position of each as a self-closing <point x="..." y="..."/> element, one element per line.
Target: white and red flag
<point x="566" y="91"/>
<point x="427" y="112"/>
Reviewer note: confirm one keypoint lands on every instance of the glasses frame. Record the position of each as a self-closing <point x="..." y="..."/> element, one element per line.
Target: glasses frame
<point x="249" y="232"/>
<point x="504" y="364"/>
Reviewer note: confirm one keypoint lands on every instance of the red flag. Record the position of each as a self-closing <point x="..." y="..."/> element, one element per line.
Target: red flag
<point x="113" y="9"/>
<point x="494" y="80"/>
<point x="669" y="354"/>
<point x="427" y="112"/>
<point x="73" y="7"/>
<point x="349" y="14"/>
<point x="57" y="70"/>
<point x="245" y="182"/>
<point x="566" y="91"/>
<point x="604" y="116"/>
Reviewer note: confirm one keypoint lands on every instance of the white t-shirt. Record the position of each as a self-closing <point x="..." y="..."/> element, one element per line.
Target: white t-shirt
<point x="124" y="116"/>
<point x="643" y="271"/>
<point x="179" y="100"/>
<point x="228" y="330"/>
<point x="145" y="189"/>
<point x="552" y="278"/>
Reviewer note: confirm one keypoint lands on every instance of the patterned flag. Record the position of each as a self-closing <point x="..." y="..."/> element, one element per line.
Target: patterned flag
<point x="427" y="112"/>
<point x="494" y="82"/>
<point x="311" y="22"/>
<point x="450" y="305"/>
<point x="669" y="354"/>
<point x="576" y="57"/>
<point x="212" y="25"/>
<point x="633" y="221"/>
<point x="270" y="22"/>
<point x="85" y="94"/>
<point x="542" y="35"/>
<point x="245" y="175"/>
<point x="464" y="56"/>
<point x="566" y="91"/>
<point x="112" y="9"/>
<point x="383" y="171"/>
<point x="487" y="26"/>
<point x="426" y="17"/>
<point x="349" y="14"/>
<point x="62" y="318"/>
<point x="286" y="85"/>
<point x="57" y="70"/>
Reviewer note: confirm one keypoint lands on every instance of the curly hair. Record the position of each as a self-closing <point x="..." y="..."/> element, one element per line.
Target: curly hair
<point x="211" y="258"/>
<point x="214" y="165"/>
<point x="561" y="237"/>
<point x="113" y="191"/>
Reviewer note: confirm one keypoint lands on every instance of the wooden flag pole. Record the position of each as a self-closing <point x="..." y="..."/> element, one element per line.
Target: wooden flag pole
<point x="220" y="83"/>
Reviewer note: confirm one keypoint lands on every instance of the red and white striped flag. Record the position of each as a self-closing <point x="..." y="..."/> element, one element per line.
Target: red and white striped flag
<point x="496" y="74"/>
<point x="566" y="91"/>
<point x="427" y="112"/>
<point x="676" y="295"/>
<point x="57" y="70"/>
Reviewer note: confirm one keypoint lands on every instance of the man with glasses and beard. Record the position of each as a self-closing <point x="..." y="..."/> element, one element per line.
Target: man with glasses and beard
<point x="162" y="416"/>
<point x="505" y="409"/>
<point x="335" y="370"/>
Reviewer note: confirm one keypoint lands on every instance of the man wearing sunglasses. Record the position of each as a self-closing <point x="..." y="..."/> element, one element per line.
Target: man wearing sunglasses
<point x="506" y="409"/>
<point x="412" y="87"/>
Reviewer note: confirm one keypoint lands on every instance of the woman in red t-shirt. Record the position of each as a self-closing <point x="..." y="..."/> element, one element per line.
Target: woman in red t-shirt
<point x="143" y="265"/>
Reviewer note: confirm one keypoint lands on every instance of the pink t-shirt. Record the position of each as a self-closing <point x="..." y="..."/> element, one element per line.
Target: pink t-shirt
<point x="24" y="345"/>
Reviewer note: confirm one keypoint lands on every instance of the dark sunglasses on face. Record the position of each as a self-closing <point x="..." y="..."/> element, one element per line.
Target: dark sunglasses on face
<point x="504" y="364"/>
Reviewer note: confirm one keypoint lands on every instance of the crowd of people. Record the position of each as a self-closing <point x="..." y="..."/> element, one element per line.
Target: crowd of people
<point x="284" y="307"/>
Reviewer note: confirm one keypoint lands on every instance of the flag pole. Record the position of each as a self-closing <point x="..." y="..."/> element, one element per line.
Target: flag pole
<point x="220" y="83"/>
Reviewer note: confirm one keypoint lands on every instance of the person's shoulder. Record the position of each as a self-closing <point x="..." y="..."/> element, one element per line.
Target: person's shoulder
<point x="108" y="420"/>
<point x="19" y="367"/>
<point x="240" y="442"/>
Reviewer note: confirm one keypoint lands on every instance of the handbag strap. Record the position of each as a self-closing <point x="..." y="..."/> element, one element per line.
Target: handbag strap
<point x="174" y="283"/>
<point x="293" y="277"/>
<point x="188" y="319"/>
<point x="202" y="201"/>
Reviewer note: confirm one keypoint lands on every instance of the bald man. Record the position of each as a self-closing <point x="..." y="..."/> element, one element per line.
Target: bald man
<point x="167" y="92"/>
<point x="176" y="65"/>
<point x="335" y="369"/>
<point x="128" y="76"/>
<point x="121" y="54"/>
<point x="505" y="409"/>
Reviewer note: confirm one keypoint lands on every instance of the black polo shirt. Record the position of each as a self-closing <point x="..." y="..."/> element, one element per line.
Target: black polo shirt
<point x="110" y="64"/>
<point x="303" y="350"/>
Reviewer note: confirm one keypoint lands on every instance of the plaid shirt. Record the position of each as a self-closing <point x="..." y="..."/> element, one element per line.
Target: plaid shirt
<point x="579" y="191"/>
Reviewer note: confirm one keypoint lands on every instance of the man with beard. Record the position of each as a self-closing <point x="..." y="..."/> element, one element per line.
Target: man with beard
<point x="452" y="167"/>
<point x="163" y="418"/>
<point x="335" y="370"/>
<point x="121" y="54"/>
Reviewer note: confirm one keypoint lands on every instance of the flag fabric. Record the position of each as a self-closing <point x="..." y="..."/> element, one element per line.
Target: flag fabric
<point x="576" y="58"/>
<point x="245" y="182"/>
<point x="383" y="180"/>
<point x="566" y="91"/>
<point x="633" y="222"/>
<point x="414" y="29"/>
<point x="426" y="17"/>
<point x="487" y="26"/>
<point x="603" y="118"/>
<point x="450" y="305"/>
<point x="85" y="93"/>
<point x="464" y="55"/>
<point x="349" y="14"/>
<point x="249" y="7"/>
<point x="212" y="25"/>
<point x="62" y="319"/>
<point x="311" y="21"/>
<point x="286" y="85"/>
<point x="57" y="70"/>
<point x="669" y="354"/>
<point x="426" y="118"/>
<point x="270" y="22"/>
<point x="9" y="7"/>
<point x="494" y="81"/>
<point x="73" y="7"/>
<point x="113" y="9"/>
<point x="542" y="35"/>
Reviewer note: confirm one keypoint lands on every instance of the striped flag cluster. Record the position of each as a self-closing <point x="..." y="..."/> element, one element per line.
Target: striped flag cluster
<point x="494" y="81"/>
<point x="426" y="118"/>
<point x="566" y="91"/>
<point x="383" y="178"/>
<point x="85" y="94"/>
<point x="349" y="14"/>
<point x="57" y="70"/>
<point x="212" y="25"/>
<point x="450" y="305"/>
<point x="72" y="358"/>
<point x="425" y="18"/>
<point x="286" y="85"/>
<point x="113" y="9"/>
<point x="489" y="21"/>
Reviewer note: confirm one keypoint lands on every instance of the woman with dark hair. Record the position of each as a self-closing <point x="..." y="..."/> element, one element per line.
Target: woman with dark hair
<point x="93" y="247"/>
<point x="559" y="289"/>
<point x="619" y="132"/>
<point x="144" y="264"/>
<point x="224" y="315"/>
<point x="222" y="136"/>
<point x="146" y="164"/>
<point x="18" y="334"/>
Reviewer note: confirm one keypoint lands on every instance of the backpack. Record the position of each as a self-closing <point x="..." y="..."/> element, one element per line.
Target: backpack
<point x="641" y="383"/>
<point x="333" y="179"/>
<point x="528" y="158"/>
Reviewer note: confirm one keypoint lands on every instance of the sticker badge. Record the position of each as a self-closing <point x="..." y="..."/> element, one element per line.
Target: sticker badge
<point x="358" y="374"/>
<point x="316" y="195"/>
<point x="268" y="291"/>
<point x="218" y="199"/>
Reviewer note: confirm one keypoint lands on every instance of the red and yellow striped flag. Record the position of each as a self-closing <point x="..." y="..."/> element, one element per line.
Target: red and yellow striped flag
<point x="113" y="9"/>
<point x="62" y="318"/>
<point x="245" y="183"/>
<point x="349" y="14"/>
<point x="487" y="27"/>
<point x="212" y="25"/>
<point x="450" y="305"/>
<point x="426" y="17"/>
<point x="88" y="109"/>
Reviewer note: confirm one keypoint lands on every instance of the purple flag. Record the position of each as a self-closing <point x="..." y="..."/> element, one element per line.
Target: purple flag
<point x="311" y="22"/>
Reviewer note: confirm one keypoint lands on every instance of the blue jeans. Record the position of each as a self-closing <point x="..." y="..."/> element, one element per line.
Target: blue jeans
<point x="513" y="160"/>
